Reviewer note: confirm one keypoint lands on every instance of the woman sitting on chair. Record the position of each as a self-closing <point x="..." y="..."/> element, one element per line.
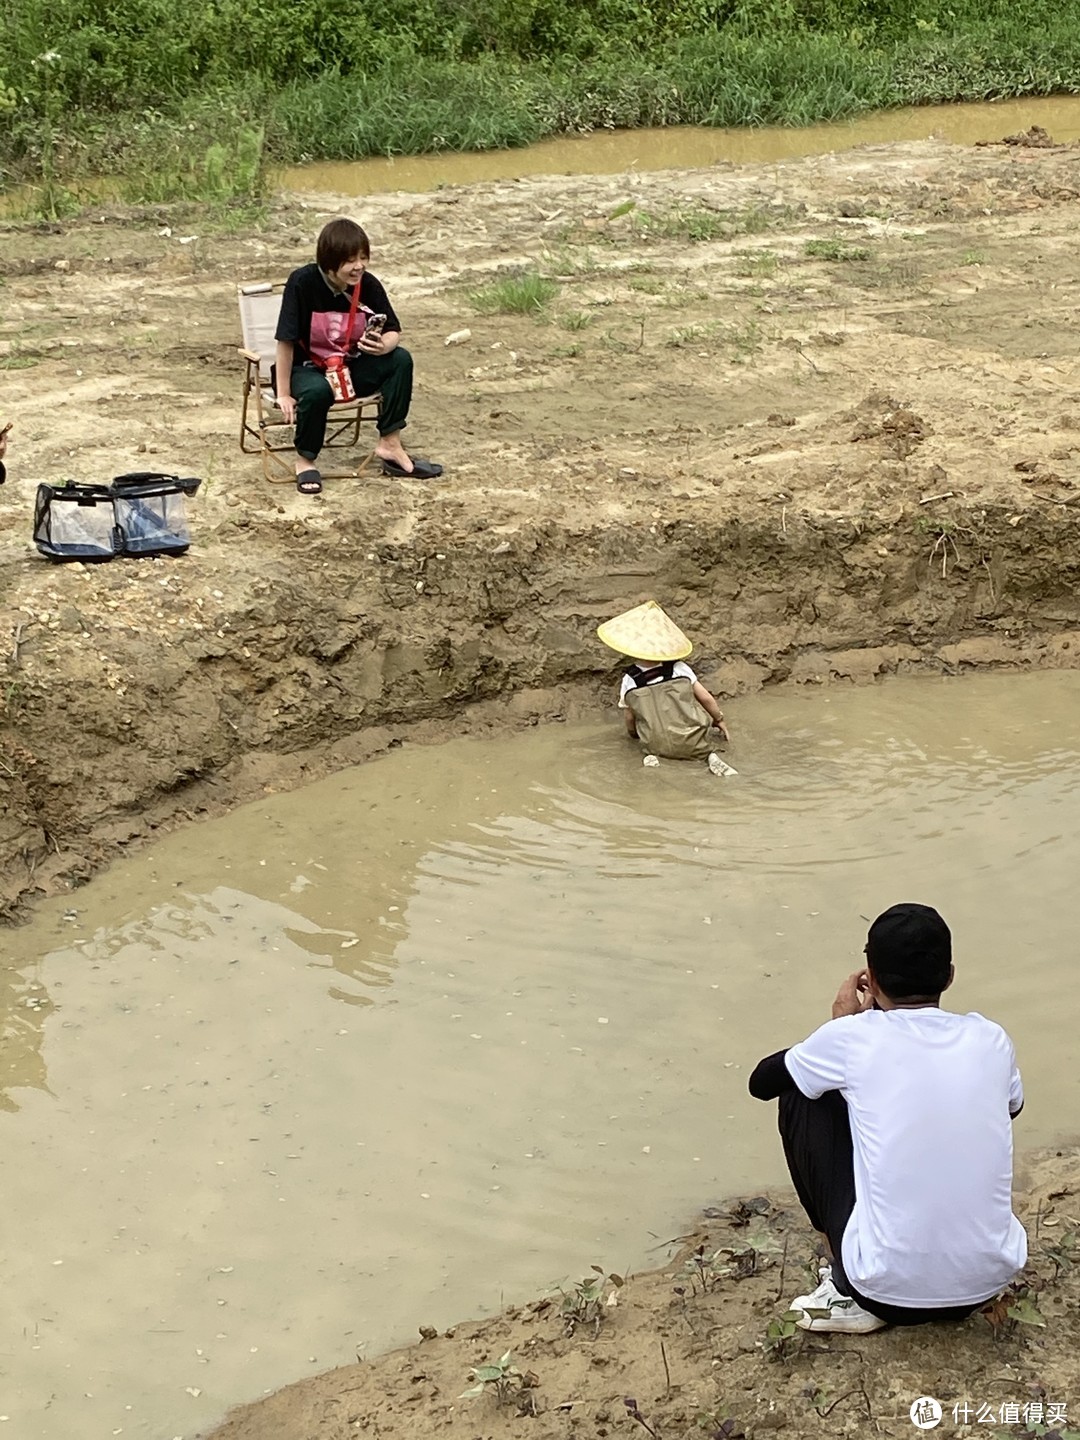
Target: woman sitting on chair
<point x="334" y="314"/>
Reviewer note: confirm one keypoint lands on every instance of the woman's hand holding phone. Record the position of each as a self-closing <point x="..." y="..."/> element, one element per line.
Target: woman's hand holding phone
<point x="371" y="341"/>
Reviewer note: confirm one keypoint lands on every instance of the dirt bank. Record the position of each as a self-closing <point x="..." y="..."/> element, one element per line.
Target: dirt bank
<point x="752" y="426"/>
<point x="838" y="437"/>
<point x="690" y="1344"/>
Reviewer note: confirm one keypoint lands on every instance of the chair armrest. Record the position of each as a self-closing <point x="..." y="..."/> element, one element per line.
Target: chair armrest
<point x="250" y="355"/>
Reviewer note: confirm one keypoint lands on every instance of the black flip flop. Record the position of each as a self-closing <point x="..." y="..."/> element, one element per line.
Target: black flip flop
<point x="309" y="482"/>
<point x="422" y="469"/>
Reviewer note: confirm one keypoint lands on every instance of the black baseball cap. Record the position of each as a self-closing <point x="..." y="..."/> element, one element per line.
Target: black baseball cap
<point x="909" y="950"/>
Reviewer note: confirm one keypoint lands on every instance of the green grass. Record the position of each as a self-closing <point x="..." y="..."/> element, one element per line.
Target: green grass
<point x="568" y="261"/>
<point x="973" y="257"/>
<point x="186" y="104"/>
<point x="695" y="223"/>
<point x="757" y="264"/>
<point x="646" y="285"/>
<point x="687" y="335"/>
<point x="835" y="250"/>
<point x="527" y="294"/>
<point x="575" y="320"/>
<point x="745" y="340"/>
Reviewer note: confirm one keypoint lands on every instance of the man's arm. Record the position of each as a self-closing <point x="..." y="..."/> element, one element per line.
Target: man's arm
<point x="818" y="1063"/>
<point x="771" y="1077"/>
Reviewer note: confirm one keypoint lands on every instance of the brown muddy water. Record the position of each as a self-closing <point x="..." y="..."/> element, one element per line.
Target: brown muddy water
<point x="438" y="1032"/>
<point x="613" y="152"/>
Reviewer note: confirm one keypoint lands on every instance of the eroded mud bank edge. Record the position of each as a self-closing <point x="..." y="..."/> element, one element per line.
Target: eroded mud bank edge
<point x="333" y="652"/>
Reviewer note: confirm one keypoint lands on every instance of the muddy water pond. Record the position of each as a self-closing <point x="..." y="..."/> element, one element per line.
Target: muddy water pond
<point x="612" y="152"/>
<point x="433" y="1034"/>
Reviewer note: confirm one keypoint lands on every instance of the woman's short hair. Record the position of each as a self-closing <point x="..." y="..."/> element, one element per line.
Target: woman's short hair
<point x="340" y="240"/>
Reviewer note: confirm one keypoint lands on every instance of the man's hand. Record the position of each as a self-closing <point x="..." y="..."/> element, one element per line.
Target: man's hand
<point x="719" y="725"/>
<point x="287" y="406"/>
<point x="854" y="996"/>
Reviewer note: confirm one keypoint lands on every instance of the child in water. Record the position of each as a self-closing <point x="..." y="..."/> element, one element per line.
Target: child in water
<point x="666" y="706"/>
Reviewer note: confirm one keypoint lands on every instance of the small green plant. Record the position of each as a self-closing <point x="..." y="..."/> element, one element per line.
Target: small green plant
<point x="1065" y="1253"/>
<point x="569" y="260"/>
<point x="505" y="1381"/>
<point x="782" y="1336"/>
<point x="1013" y="1307"/>
<point x="686" y="335"/>
<point x="697" y="223"/>
<point x="1025" y="1312"/>
<point x="935" y="525"/>
<point x="617" y="345"/>
<point x="526" y="294"/>
<point x="576" y="320"/>
<point x="705" y="1272"/>
<point x="973" y="257"/>
<point x="587" y="1302"/>
<point x="756" y="264"/>
<point x="646" y="285"/>
<point x="835" y="250"/>
<point x="743" y="340"/>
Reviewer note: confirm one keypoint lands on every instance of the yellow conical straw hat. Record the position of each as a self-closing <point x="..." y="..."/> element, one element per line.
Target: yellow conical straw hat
<point x="645" y="633"/>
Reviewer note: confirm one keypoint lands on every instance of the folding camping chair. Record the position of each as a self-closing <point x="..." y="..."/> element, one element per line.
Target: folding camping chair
<point x="263" y="430"/>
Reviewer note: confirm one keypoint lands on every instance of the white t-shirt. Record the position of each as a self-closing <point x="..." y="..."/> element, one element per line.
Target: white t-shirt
<point x="930" y="1095"/>
<point x="680" y="668"/>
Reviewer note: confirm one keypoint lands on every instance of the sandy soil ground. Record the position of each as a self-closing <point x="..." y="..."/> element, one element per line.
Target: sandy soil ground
<point x="689" y="1345"/>
<point x="838" y="437"/>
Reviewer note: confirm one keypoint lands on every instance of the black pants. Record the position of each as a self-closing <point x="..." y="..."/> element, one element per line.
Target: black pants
<point x="817" y="1147"/>
<point x="391" y="373"/>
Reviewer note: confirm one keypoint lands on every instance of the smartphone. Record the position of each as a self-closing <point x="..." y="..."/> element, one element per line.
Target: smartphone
<point x="374" y="326"/>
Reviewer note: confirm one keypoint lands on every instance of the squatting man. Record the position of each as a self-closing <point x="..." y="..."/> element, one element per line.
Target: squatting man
<point x="896" y="1120"/>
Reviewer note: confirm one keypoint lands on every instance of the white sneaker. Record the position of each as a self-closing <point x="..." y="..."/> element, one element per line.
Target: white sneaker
<point x="832" y="1311"/>
<point x="720" y="767"/>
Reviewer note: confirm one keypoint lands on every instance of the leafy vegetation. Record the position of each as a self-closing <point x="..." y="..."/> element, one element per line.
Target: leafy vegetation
<point x="835" y="250"/>
<point x="504" y="1380"/>
<point x="587" y="1301"/>
<point x="200" y="100"/>
<point x="526" y="294"/>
